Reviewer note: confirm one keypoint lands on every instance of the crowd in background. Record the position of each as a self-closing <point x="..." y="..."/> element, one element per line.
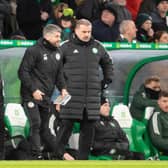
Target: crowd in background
<point x="144" y="21"/>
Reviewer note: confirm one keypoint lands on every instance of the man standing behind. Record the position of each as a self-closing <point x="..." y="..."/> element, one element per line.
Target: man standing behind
<point x="82" y="56"/>
<point x="39" y="72"/>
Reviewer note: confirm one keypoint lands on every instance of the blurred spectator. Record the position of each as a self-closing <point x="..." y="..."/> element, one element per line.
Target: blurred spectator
<point x="71" y="3"/>
<point x="31" y="16"/>
<point x="161" y="37"/>
<point x="67" y="23"/>
<point x="133" y="7"/>
<point x="145" y="96"/>
<point x="120" y="7"/>
<point x="5" y="24"/>
<point x="127" y="31"/>
<point x="159" y="17"/>
<point x="57" y="13"/>
<point x="14" y="24"/>
<point x="147" y="6"/>
<point x="106" y="28"/>
<point x="158" y="124"/>
<point x="17" y="35"/>
<point x="144" y="25"/>
<point x="88" y="9"/>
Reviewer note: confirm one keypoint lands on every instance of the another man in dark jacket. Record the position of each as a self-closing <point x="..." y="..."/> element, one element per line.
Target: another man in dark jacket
<point x="109" y="139"/>
<point x="2" y="130"/>
<point x="82" y="58"/>
<point x="158" y="124"/>
<point x="39" y="72"/>
<point x="146" y="96"/>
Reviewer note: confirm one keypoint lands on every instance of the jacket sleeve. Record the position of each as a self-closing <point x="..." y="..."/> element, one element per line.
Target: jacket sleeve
<point x="156" y="134"/>
<point x="60" y="80"/>
<point x="25" y="69"/>
<point x="143" y="102"/>
<point x="107" y="66"/>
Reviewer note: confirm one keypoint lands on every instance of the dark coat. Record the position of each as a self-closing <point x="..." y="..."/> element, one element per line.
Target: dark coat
<point x="41" y="68"/>
<point x="142" y="36"/>
<point x="108" y="136"/>
<point x="81" y="71"/>
<point x="158" y="130"/>
<point x="105" y="33"/>
<point x="28" y="17"/>
<point x="5" y="11"/>
<point x="158" y="23"/>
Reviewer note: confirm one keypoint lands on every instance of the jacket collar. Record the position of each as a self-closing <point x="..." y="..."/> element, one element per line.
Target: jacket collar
<point x="76" y="40"/>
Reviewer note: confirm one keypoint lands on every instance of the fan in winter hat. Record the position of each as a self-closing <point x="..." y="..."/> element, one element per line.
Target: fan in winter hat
<point x="141" y="18"/>
<point x="68" y="14"/>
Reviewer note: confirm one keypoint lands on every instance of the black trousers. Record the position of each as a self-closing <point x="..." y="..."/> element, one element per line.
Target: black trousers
<point x="85" y="138"/>
<point x="37" y="116"/>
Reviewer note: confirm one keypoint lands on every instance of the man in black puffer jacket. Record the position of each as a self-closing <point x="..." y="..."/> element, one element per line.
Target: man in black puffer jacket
<point x="82" y="57"/>
<point x="39" y="72"/>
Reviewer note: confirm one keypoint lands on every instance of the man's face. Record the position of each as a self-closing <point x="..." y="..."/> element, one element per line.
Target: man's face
<point x="132" y="30"/>
<point x="163" y="7"/>
<point x="105" y="109"/>
<point x="154" y="85"/>
<point x="147" y="25"/>
<point x="163" y="103"/>
<point x="53" y="38"/>
<point x="84" y="32"/>
<point x="107" y="17"/>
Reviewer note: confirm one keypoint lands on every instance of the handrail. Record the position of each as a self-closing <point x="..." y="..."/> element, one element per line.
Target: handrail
<point x="107" y="45"/>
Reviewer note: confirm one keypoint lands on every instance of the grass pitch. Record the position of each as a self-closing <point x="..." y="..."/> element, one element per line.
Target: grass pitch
<point x="83" y="164"/>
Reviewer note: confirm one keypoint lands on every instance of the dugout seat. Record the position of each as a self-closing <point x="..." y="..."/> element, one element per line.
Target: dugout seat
<point x="16" y="121"/>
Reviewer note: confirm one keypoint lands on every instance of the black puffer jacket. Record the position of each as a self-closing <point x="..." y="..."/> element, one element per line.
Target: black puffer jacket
<point x="81" y="70"/>
<point x="41" y="68"/>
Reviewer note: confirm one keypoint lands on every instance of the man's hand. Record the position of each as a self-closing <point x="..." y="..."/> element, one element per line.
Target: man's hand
<point x="64" y="92"/>
<point x="38" y="95"/>
<point x="58" y="107"/>
<point x="67" y="156"/>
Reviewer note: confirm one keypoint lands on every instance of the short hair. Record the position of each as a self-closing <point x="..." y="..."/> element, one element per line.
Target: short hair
<point x="83" y="22"/>
<point x="124" y="26"/>
<point x="152" y="79"/>
<point x="163" y="93"/>
<point x="51" y="28"/>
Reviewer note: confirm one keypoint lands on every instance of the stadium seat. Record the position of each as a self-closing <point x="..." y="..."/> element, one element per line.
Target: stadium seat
<point x="16" y="120"/>
<point x="121" y="113"/>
